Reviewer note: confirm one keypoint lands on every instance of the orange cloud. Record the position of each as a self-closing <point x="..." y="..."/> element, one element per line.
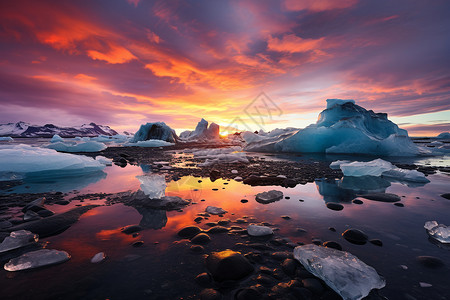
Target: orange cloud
<point x="115" y="55"/>
<point x="84" y="77"/>
<point x="294" y="44"/>
<point x="318" y="5"/>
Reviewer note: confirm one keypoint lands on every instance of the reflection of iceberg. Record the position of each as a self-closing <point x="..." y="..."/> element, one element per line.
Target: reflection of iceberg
<point x="152" y="218"/>
<point x="60" y="184"/>
<point x="347" y="188"/>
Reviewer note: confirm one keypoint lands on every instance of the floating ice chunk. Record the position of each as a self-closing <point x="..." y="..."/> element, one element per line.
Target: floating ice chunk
<point x="150" y="143"/>
<point x="348" y="276"/>
<point x="18" y="239"/>
<point x="98" y="257"/>
<point x="231" y="158"/>
<point x="335" y="165"/>
<point x="23" y="160"/>
<point x="104" y="160"/>
<point x="154" y="185"/>
<point x="90" y="146"/>
<point x="215" y="210"/>
<point x="56" y="138"/>
<point x="257" y="230"/>
<point x="36" y="259"/>
<point x="372" y="168"/>
<point x="437" y="231"/>
<point x="6" y="138"/>
<point x="406" y="175"/>
<point x="270" y="196"/>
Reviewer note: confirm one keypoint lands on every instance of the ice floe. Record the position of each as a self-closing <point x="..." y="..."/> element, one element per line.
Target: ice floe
<point x="437" y="231"/>
<point x="348" y="276"/>
<point x="149" y="143"/>
<point x="90" y="146"/>
<point x="36" y="259"/>
<point x="153" y="185"/>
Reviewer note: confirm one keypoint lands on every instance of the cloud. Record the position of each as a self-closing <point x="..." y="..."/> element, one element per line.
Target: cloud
<point x="317" y="5"/>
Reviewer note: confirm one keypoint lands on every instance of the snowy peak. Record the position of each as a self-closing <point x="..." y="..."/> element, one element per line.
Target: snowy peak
<point x="22" y="129"/>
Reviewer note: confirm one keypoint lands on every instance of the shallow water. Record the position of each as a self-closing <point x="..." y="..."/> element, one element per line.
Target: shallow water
<point x="164" y="269"/>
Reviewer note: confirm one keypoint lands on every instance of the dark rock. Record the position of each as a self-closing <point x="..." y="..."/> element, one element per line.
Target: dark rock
<point x="289" y="266"/>
<point x="317" y="242"/>
<point x="286" y="217"/>
<point x="138" y="244"/>
<point x="355" y="236"/>
<point x="331" y="244"/>
<point x="301" y="293"/>
<point x="223" y="222"/>
<point x="210" y="294"/>
<point x="376" y="242"/>
<point x="201" y="238"/>
<point x="62" y="202"/>
<point x="218" y="229"/>
<point x="332" y="229"/>
<point x="228" y="265"/>
<point x="189" y="232"/>
<point x="357" y="201"/>
<point x="399" y="204"/>
<point x="335" y="206"/>
<point x="244" y="200"/>
<point x="265" y="280"/>
<point x="313" y="285"/>
<point x="446" y="196"/>
<point x="211" y="224"/>
<point x="130" y="229"/>
<point x="281" y="255"/>
<point x="203" y="279"/>
<point x="197" y="248"/>
<point x="45" y="213"/>
<point x="198" y="219"/>
<point x="55" y="224"/>
<point x="430" y="262"/>
<point x="382" y="197"/>
<point x="214" y="175"/>
<point x="248" y="294"/>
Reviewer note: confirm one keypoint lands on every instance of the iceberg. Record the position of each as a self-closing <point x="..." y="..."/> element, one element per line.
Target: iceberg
<point x="19" y="161"/>
<point x="56" y="138"/>
<point x="444" y="135"/>
<point x="90" y="146"/>
<point x="154" y="186"/>
<point x="155" y="131"/>
<point x="220" y="155"/>
<point x="202" y="132"/>
<point x="343" y="127"/>
<point x="437" y="231"/>
<point x="379" y="167"/>
<point x="348" y="276"/>
<point x="104" y="160"/>
<point x="6" y="138"/>
<point x="36" y="259"/>
<point x="18" y="239"/>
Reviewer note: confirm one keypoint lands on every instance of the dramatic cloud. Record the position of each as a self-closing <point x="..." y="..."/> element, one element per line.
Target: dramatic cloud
<point x="125" y="62"/>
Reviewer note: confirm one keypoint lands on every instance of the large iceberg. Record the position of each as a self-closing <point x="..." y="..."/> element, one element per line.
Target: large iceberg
<point x="155" y="131"/>
<point x="348" y="276"/>
<point x="90" y="146"/>
<point x="343" y="127"/>
<point x="202" y="132"/>
<point x="379" y="167"/>
<point x="444" y="135"/>
<point x="19" y="161"/>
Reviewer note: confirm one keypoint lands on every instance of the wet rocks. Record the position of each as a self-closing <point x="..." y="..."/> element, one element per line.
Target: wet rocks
<point x="130" y="229"/>
<point x="250" y="293"/>
<point x="289" y="266"/>
<point x="36" y="259"/>
<point x="258" y="230"/>
<point x="268" y="197"/>
<point x="228" y="265"/>
<point x="382" y="197"/>
<point x="335" y="206"/>
<point x="210" y="294"/>
<point x="201" y="238"/>
<point x="446" y="196"/>
<point x="18" y="239"/>
<point x="332" y="244"/>
<point x="355" y="236"/>
<point x="99" y="257"/>
<point x="218" y="229"/>
<point x="215" y="210"/>
<point x="357" y="201"/>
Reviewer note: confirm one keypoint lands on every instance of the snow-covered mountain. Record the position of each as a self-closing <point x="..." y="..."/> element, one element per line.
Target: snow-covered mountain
<point x="22" y="129"/>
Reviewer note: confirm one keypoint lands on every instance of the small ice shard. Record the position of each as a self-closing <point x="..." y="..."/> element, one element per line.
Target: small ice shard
<point x="372" y="168"/>
<point x="36" y="259"/>
<point x="104" y="160"/>
<point x="425" y="285"/>
<point x="437" y="231"/>
<point x="270" y="196"/>
<point x="98" y="257"/>
<point x="281" y="176"/>
<point x="404" y="267"/>
<point x="18" y="239"/>
<point x="215" y="210"/>
<point x="348" y="276"/>
<point x="335" y="165"/>
<point x="257" y="230"/>
<point x="154" y="185"/>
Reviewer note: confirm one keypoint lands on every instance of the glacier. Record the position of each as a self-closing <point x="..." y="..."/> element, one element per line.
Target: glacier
<point x="348" y="276"/>
<point x="19" y="161"/>
<point x="343" y="127"/>
<point x="379" y="167"/>
<point x="155" y="131"/>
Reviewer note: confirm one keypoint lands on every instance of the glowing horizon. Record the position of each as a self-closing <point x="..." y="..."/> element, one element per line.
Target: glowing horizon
<point x="123" y="63"/>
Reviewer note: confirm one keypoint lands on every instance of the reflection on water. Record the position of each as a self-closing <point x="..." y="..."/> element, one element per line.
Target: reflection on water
<point x="128" y="271"/>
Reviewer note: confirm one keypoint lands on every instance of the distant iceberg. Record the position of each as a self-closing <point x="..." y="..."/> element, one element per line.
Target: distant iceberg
<point x="149" y="143"/>
<point x="343" y="127"/>
<point x="444" y="135"/>
<point x="202" y="132"/>
<point x="155" y="131"/>
<point x="90" y="146"/>
<point x="19" y="161"/>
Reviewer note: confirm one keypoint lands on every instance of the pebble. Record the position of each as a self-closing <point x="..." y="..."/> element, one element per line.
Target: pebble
<point x="425" y="285"/>
<point x="332" y="244"/>
<point x="335" y="206"/>
<point x="244" y="200"/>
<point x="355" y="236"/>
<point x="286" y="217"/>
<point x="98" y="257"/>
<point x="201" y="238"/>
<point x="228" y="265"/>
<point x="357" y="201"/>
<point x="210" y="294"/>
<point x="376" y="242"/>
<point x="399" y="204"/>
<point x="138" y="244"/>
<point x="189" y="232"/>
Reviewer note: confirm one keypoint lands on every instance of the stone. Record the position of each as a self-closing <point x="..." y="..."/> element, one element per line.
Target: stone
<point x="201" y="238"/>
<point x="99" y="257"/>
<point x="382" y="197"/>
<point x="258" y="230"/>
<point x="130" y="229"/>
<point x="331" y="244"/>
<point x="268" y="197"/>
<point x="215" y="210"/>
<point x="355" y="236"/>
<point x="210" y="294"/>
<point x="18" y="239"/>
<point x="228" y="265"/>
<point x="335" y="206"/>
<point x="36" y="259"/>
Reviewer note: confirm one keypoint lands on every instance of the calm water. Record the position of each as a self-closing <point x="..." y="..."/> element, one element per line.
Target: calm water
<point x="164" y="268"/>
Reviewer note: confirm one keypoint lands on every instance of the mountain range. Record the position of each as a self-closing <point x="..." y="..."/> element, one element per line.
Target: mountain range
<point x="22" y="129"/>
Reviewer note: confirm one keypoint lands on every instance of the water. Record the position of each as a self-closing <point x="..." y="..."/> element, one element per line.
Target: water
<point x="164" y="268"/>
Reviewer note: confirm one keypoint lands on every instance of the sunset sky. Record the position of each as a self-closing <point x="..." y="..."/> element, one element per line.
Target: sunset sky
<point x="127" y="62"/>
